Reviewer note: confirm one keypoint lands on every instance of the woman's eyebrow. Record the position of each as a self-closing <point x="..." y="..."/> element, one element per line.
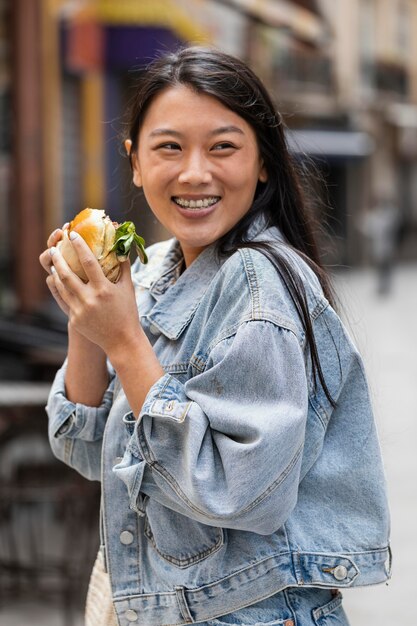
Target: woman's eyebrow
<point x="217" y="131"/>
<point x="227" y="129"/>
<point x="164" y="131"/>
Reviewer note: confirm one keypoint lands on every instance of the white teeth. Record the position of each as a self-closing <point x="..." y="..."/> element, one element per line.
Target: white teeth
<point x="196" y="204"/>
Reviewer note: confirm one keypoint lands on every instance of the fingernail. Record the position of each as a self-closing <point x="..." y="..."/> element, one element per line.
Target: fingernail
<point x="73" y="235"/>
<point x="52" y="250"/>
<point x="65" y="225"/>
<point x="53" y="270"/>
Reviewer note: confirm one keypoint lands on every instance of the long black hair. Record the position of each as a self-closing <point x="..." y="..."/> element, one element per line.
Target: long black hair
<point x="280" y="200"/>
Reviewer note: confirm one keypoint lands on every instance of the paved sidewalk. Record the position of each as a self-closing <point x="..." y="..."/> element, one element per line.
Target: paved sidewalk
<point x="32" y="614"/>
<point x="385" y="329"/>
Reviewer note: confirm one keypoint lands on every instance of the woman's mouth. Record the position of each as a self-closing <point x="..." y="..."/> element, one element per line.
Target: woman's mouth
<point x="201" y="203"/>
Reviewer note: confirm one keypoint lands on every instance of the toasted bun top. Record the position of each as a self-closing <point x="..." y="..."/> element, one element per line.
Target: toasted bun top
<point x="98" y="231"/>
<point x="91" y="225"/>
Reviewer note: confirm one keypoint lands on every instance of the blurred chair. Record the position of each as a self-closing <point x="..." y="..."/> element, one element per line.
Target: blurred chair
<point x="48" y="518"/>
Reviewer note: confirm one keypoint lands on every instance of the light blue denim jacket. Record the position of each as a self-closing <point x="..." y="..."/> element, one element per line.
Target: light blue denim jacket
<point x="239" y="479"/>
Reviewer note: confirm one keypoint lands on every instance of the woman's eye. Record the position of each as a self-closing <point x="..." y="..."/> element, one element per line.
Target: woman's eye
<point x="170" y="146"/>
<point x="224" y="145"/>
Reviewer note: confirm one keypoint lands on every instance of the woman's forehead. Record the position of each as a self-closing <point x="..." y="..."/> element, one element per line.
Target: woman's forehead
<point x="182" y="106"/>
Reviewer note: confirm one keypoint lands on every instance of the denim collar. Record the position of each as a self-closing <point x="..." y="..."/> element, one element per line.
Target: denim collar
<point x="177" y="295"/>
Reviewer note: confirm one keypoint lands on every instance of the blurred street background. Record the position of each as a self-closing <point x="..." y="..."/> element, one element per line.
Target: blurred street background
<point x="344" y="75"/>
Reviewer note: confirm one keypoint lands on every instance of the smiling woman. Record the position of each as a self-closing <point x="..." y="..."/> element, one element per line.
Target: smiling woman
<point x="214" y="391"/>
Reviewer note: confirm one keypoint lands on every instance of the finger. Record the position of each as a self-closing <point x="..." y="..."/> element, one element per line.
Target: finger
<point x="61" y="291"/>
<point x="125" y="272"/>
<point x="45" y="257"/>
<point x="63" y="275"/>
<point x="46" y="261"/>
<point x="51" y="285"/>
<point x="87" y="259"/>
<point x="54" y="237"/>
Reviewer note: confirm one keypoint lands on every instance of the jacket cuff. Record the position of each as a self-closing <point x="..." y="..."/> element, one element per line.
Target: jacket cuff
<point x="74" y="420"/>
<point x="166" y="399"/>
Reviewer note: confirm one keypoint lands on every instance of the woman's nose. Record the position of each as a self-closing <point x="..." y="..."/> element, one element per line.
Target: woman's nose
<point x="195" y="170"/>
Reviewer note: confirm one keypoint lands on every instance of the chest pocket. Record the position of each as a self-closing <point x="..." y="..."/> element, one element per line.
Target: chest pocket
<point x="178" y="539"/>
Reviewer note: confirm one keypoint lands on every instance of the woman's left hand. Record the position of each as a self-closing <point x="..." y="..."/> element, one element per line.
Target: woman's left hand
<point x="102" y="311"/>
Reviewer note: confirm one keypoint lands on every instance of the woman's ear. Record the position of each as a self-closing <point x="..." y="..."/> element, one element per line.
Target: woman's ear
<point x="263" y="175"/>
<point x="134" y="161"/>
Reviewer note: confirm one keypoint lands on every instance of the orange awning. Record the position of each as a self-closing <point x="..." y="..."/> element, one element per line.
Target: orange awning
<point x="162" y="13"/>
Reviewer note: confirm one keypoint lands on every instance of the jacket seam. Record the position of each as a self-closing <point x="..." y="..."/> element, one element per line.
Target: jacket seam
<point x="252" y="281"/>
<point x="68" y="450"/>
<point x="317" y="409"/>
<point x="200" y="362"/>
<point x="232" y="330"/>
<point x="184" y="563"/>
<point x="163" y="472"/>
<point x="175" y="368"/>
<point x="278" y="481"/>
<point x="320" y="307"/>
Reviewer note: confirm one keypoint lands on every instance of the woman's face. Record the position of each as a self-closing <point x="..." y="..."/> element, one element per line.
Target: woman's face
<point x="199" y="164"/>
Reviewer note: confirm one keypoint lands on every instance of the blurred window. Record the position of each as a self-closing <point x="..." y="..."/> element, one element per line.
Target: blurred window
<point x="367" y="43"/>
<point x="392" y="71"/>
<point x="403" y="34"/>
<point x="296" y="65"/>
<point x="71" y="153"/>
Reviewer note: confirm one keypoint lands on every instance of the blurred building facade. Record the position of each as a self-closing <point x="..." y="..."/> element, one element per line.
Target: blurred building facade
<point x="343" y="73"/>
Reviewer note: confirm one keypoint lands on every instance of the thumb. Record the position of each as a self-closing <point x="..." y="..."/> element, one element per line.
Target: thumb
<point x="125" y="272"/>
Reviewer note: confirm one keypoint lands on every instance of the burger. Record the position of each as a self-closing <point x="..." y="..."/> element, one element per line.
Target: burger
<point x="109" y="241"/>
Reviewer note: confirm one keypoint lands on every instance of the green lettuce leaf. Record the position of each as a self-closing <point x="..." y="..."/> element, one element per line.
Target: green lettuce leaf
<point x="126" y="236"/>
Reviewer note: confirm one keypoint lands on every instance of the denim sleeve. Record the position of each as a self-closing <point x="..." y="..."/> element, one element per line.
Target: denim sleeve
<point x="225" y="447"/>
<point x="76" y="430"/>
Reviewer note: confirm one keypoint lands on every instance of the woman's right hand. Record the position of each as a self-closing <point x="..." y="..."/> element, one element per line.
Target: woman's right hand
<point x="46" y="262"/>
<point x="86" y="377"/>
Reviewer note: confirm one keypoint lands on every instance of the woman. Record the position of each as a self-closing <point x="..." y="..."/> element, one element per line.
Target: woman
<point x="233" y="434"/>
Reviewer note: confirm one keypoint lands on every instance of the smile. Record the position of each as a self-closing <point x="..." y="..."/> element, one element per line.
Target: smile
<point x="196" y="204"/>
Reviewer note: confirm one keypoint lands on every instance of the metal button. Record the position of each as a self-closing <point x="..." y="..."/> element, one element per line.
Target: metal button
<point x="340" y="572"/>
<point x="153" y="329"/>
<point x="126" y="537"/>
<point x="131" y="615"/>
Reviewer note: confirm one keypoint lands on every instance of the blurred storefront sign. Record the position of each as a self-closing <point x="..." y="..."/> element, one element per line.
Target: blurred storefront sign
<point x="331" y="144"/>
